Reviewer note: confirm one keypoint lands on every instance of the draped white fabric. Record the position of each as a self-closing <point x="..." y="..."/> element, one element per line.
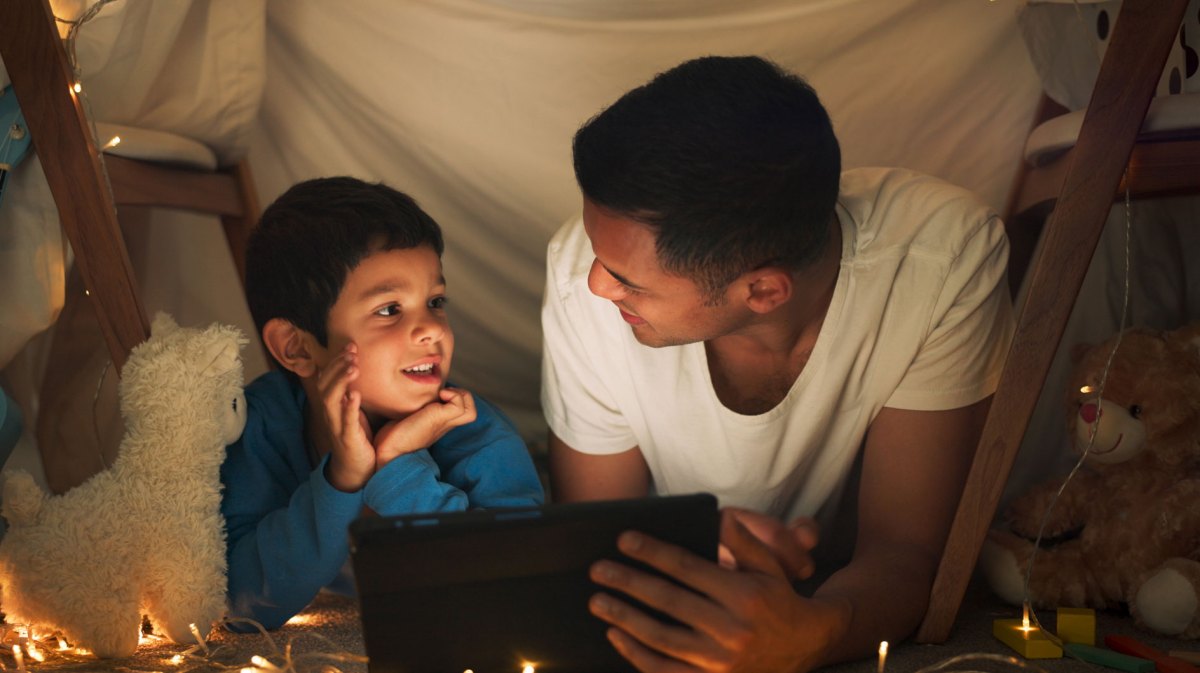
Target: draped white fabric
<point x="470" y="106"/>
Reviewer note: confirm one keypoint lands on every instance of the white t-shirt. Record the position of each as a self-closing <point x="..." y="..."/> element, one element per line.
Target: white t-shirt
<point x="920" y="319"/>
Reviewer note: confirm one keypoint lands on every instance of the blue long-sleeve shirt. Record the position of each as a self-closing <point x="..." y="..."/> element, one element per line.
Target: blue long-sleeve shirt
<point x="286" y="525"/>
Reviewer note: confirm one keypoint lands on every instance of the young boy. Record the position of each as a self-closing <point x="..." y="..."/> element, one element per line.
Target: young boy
<point x="344" y="281"/>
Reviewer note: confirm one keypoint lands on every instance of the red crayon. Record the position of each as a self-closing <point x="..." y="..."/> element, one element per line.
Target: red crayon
<point x="1162" y="661"/>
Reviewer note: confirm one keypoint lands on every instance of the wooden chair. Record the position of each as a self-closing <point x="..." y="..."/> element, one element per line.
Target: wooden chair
<point x="1085" y="180"/>
<point x="43" y="82"/>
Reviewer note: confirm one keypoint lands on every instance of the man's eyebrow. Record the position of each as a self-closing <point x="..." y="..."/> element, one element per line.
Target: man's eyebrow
<point x="622" y="279"/>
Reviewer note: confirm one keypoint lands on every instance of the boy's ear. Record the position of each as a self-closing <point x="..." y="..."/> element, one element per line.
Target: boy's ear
<point x="291" y="346"/>
<point x="769" y="288"/>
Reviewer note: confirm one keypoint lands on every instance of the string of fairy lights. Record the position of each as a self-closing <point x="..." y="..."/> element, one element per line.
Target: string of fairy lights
<point x="31" y="651"/>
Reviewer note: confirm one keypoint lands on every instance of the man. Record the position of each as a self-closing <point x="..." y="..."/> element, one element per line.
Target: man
<point x="735" y="315"/>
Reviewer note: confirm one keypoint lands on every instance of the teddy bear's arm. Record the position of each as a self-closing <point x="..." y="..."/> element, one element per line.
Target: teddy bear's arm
<point x="1025" y="514"/>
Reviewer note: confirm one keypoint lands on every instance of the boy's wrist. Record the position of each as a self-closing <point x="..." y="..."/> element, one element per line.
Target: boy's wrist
<point x="337" y="477"/>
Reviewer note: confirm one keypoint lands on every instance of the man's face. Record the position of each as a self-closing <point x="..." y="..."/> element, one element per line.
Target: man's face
<point x="392" y="306"/>
<point x="662" y="309"/>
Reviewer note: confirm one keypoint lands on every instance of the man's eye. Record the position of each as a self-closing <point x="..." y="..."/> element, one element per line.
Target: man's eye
<point x="438" y="302"/>
<point x="389" y="310"/>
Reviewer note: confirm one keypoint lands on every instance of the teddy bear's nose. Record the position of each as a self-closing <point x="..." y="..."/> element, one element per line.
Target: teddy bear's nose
<point x="1088" y="412"/>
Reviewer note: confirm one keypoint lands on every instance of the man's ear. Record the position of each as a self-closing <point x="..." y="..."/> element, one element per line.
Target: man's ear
<point x="291" y="346"/>
<point x="768" y="288"/>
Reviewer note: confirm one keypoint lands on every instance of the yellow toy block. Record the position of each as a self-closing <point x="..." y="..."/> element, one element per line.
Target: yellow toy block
<point x="1030" y="642"/>
<point x="1077" y="625"/>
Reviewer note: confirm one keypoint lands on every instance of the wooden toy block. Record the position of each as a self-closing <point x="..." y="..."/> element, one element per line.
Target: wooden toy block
<point x="1076" y="625"/>
<point x="1029" y="642"/>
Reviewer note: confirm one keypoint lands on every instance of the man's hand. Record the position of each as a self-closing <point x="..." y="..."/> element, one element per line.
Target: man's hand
<point x="425" y="426"/>
<point x="792" y="544"/>
<point x="352" y="457"/>
<point x="747" y="620"/>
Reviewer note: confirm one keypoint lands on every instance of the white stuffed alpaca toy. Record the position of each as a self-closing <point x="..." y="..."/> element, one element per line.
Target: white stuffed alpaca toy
<point x="145" y="536"/>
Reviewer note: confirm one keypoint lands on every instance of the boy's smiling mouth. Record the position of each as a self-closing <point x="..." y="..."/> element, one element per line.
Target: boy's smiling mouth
<point x="425" y="371"/>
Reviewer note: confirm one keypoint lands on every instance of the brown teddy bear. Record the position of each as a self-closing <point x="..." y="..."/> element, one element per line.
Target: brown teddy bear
<point x="1126" y="529"/>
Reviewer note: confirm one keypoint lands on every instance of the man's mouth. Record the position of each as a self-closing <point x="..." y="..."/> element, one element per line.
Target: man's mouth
<point x="630" y="318"/>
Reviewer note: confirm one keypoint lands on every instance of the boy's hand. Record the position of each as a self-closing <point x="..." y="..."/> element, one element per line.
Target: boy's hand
<point x="352" y="458"/>
<point x="425" y="426"/>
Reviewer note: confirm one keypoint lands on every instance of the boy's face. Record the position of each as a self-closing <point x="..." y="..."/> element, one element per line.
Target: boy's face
<point x="392" y="307"/>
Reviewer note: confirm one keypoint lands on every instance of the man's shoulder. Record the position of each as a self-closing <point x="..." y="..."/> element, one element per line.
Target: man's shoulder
<point x="897" y="207"/>
<point x="569" y="254"/>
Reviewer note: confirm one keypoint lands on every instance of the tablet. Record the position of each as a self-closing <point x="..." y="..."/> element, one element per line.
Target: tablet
<point x="497" y="591"/>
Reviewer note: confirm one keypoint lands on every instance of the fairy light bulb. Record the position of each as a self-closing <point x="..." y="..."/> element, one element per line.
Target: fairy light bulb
<point x="77" y="87"/>
<point x="34" y="652"/>
<point x="1025" y="618"/>
<point x="883" y="649"/>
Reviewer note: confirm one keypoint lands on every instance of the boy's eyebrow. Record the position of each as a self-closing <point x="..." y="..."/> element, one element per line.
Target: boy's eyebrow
<point x="390" y="286"/>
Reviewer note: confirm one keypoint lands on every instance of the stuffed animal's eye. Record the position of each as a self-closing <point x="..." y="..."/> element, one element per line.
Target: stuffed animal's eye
<point x="235" y="404"/>
<point x="1135" y="411"/>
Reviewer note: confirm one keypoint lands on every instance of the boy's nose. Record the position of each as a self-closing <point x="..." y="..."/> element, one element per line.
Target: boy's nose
<point x="428" y="331"/>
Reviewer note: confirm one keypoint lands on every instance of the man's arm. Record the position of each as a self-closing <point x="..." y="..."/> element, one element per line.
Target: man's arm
<point x="751" y="620"/>
<point x="575" y="475"/>
<point x="913" y="471"/>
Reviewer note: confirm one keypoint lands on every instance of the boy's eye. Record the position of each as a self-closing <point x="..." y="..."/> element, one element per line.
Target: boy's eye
<point x="389" y="310"/>
<point x="438" y="302"/>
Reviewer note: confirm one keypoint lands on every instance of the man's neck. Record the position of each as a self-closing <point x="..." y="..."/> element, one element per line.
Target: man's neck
<point x="754" y="368"/>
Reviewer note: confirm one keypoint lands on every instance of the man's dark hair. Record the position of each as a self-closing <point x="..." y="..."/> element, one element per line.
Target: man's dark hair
<point x="314" y="234"/>
<point x="732" y="161"/>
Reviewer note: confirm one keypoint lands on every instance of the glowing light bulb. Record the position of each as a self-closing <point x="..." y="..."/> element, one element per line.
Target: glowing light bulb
<point x="199" y="639"/>
<point x="1086" y="390"/>
<point x="77" y="87"/>
<point x="527" y="668"/>
<point x="177" y="659"/>
<point x="34" y="652"/>
<point x="116" y="140"/>
<point x="1025" y="618"/>
<point x="883" y="648"/>
<point x="62" y="644"/>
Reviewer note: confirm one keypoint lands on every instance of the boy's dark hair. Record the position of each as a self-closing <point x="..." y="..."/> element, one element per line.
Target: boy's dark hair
<point x="731" y="160"/>
<point x="314" y="234"/>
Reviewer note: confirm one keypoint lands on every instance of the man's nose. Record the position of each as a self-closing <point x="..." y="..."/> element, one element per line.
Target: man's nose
<point x="602" y="284"/>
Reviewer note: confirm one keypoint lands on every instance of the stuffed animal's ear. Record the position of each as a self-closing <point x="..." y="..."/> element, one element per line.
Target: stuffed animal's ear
<point x="163" y="324"/>
<point x="1188" y="338"/>
<point x="220" y="355"/>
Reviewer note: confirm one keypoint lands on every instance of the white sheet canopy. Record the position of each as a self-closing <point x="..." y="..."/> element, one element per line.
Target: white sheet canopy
<point x="470" y="106"/>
